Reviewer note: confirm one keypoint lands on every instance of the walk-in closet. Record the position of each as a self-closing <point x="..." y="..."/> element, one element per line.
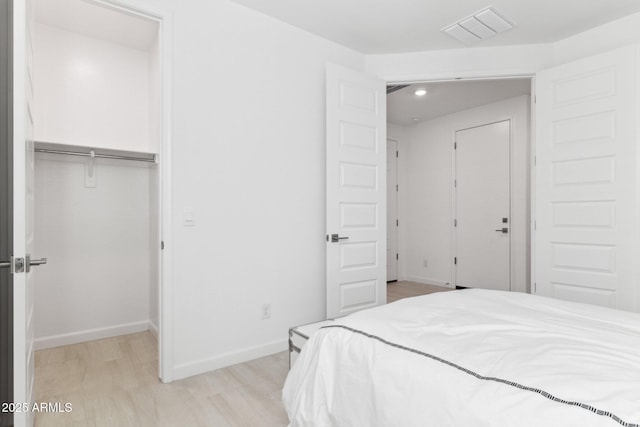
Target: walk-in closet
<point x="97" y="138"/>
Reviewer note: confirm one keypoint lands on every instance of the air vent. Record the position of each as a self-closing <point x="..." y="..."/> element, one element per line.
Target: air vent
<point x="480" y="26"/>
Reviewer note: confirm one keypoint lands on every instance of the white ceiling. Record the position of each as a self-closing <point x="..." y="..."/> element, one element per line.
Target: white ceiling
<point x="449" y="97"/>
<point x="393" y="26"/>
<point x="94" y="20"/>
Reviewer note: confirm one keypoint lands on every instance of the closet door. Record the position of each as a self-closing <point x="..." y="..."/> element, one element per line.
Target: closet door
<point x="586" y="203"/>
<point x="23" y="196"/>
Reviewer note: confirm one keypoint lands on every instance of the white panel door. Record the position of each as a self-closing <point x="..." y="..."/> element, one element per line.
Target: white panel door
<point x="482" y="231"/>
<point x="586" y="186"/>
<point x="356" y="191"/>
<point x="392" y="210"/>
<point x="23" y="193"/>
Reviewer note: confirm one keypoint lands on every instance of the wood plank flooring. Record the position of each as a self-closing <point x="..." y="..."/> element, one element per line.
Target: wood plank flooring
<point x="114" y="382"/>
<point x="399" y="290"/>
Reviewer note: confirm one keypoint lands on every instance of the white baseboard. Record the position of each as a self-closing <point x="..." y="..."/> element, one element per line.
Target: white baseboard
<point x="90" y="335"/>
<point x="227" y="359"/>
<point x="428" y="281"/>
<point x="153" y="328"/>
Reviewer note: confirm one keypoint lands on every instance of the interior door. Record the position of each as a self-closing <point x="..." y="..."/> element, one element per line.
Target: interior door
<point x="23" y="196"/>
<point x="586" y="203"/>
<point x="392" y="210"/>
<point x="482" y="228"/>
<point x="356" y="191"/>
<point x="6" y="222"/>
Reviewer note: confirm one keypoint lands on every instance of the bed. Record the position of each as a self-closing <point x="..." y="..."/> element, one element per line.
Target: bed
<point x="470" y="358"/>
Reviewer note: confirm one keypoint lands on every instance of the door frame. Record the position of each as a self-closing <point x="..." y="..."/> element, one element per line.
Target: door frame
<point x="489" y="74"/>
<point x="454" y="196"/>
<point x="164" y="19"/>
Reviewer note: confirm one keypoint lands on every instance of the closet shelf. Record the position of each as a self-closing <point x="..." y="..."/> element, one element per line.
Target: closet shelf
<point x="101" y="153"/>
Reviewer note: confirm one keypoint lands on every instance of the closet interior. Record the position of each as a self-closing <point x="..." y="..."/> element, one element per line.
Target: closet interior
<point x="97" y="181"/>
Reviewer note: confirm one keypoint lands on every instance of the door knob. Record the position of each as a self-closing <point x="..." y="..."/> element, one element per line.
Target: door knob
<point x="504" y="230"/>
<point x="335" y="238"/>
<point x="34" y="262"/>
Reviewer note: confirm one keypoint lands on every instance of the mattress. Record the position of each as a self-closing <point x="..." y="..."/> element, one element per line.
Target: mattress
<point x="470" y="358"/>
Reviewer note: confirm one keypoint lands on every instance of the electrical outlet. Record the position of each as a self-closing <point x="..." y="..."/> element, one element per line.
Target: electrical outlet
<point x="425" y="264"/>
<point x="266" y="311"/>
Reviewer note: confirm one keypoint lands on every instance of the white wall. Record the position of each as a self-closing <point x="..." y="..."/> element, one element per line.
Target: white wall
<point x="248" y="157"/>
<point x="606" y="37"/>
<point x="426" y="169"/>
<point x="463" y="63"/>
<point x="90" y="92"/>
<point x="96" y="282"/>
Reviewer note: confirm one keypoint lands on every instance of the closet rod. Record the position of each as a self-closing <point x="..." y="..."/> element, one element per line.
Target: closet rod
<point x="102" y="156"/>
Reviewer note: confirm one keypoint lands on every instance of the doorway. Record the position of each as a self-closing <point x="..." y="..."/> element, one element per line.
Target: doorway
<point x="90" y="157"/>
<point x="424" y="118"/>
<point x="97" y="114"/>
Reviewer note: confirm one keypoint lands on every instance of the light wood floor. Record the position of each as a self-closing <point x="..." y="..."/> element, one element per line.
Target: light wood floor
<point x="399" y="290"/>
<point x="114" y="382"/>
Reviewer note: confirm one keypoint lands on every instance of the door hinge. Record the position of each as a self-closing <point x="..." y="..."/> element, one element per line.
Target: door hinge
<point x="397" y="154"/>
<point x="397" y="257"/>
<point x="455" y="145"/>
<point x="535" y="287"/>
<point x="397" y="223"/>
<point x="397" y="187"/>
<point x="455" y="183"/>
<point x="455" y="222"/>
<point x="535" y="225"/>
<point x="162" y="245"/>
<point x="455" y="260"/>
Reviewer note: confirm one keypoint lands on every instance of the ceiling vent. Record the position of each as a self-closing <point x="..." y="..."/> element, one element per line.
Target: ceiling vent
<point x="480" y="26"/>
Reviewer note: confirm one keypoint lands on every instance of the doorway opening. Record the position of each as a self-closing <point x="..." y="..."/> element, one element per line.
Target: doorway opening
<point x="435" y="210"/>
<point x="102" y="198"/>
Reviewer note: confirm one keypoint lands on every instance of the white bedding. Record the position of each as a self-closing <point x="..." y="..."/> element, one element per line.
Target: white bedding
<point x="559" y="351"/>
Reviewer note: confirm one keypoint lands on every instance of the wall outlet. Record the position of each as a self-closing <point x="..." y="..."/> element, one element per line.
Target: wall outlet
<point x="265" y="311"/>
<point x="425" y="264"/>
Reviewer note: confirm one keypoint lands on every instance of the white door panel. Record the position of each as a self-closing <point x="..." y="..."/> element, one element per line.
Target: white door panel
<point x="356" y="191"/>
<point x="482" y="206"/>
<point x="586" y="180"/>
<point x="392" y="210"/>
<point x="23" y="224"/>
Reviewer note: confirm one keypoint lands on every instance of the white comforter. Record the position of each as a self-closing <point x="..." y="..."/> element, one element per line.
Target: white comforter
<point x="465" y="343"/>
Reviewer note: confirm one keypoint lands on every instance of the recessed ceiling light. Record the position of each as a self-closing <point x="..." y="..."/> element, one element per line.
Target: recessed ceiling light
<point x="415" y="119"/>
<point x="420" y="92"/>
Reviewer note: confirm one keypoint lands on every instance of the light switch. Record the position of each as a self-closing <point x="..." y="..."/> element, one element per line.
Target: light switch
<point x="189" y="217"/>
